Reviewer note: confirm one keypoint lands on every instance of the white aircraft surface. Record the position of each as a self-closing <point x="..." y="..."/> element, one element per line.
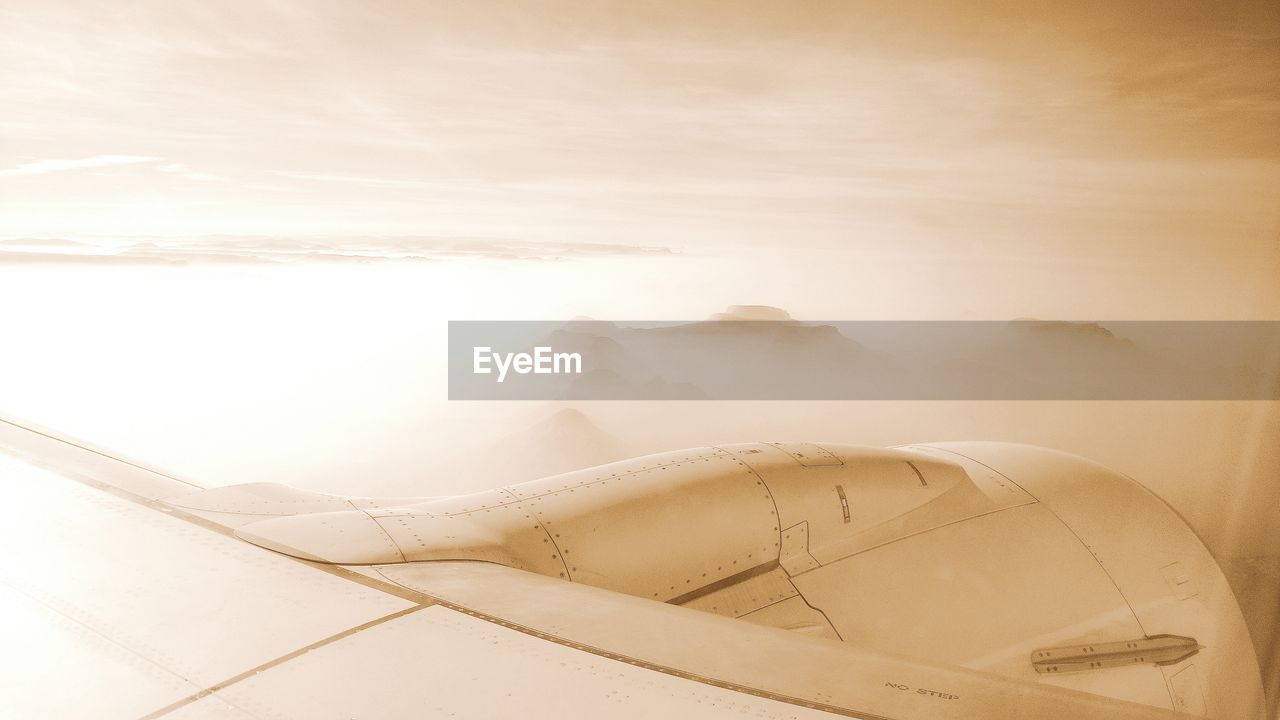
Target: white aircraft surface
<point x="953" y="581"/>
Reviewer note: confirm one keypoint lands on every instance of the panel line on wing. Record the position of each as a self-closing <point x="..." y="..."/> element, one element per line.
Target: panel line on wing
<point x="51" y="607"/>
<point x="93" y="451"/>
<point x="536" y="516"/>
<point x="276" y="661"/>
<point x="390" y="540"/>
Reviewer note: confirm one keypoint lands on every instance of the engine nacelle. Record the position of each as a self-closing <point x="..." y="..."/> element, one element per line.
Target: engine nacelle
<point x="1006" y="558"/>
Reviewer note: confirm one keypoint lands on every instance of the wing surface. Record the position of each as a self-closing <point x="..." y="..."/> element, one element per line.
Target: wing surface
<point x="114" y="604"/>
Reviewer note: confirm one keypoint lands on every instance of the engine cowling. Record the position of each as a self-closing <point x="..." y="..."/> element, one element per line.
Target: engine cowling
<point x="1012" y="559"/>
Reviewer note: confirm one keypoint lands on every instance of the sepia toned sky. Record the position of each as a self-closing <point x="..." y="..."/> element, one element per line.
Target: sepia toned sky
<point x="1115" y="130"/>
<point x="232" y="232"/>
<point x="841" y="160"/>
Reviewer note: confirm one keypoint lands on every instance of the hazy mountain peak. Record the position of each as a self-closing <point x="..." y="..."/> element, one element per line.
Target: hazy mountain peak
<point x="1076" y="332"/>
<point x="752" y="312"/>
<point x="568" y="417"/>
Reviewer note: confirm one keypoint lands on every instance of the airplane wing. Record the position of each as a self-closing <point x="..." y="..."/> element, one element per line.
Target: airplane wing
<point x="114" y="604"/>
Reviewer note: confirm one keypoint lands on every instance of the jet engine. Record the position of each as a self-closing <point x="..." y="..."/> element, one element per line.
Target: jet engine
<point x="1011" y="559"/>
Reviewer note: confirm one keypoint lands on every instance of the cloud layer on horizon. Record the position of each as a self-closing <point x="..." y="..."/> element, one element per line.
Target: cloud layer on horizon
<point x="281" y="250"/>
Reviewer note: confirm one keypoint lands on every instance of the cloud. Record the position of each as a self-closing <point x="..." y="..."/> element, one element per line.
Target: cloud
<point x="42" y="167"/>
<point x="267" y="249"/>
<point x="182" y="171"/>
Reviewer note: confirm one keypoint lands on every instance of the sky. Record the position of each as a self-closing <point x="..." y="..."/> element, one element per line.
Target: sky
<point x="1041" y="129"/>
<point x="258" y="194"/>
<point x="266" y="195"/>
<point x="231" y="233"/>
<point x="218" y="191"/>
